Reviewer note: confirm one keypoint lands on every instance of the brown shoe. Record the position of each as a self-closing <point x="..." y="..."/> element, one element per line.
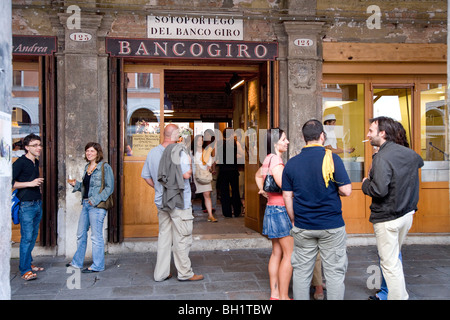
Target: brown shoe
<point x="168" y="277"/>
<point x="195" y="277"/>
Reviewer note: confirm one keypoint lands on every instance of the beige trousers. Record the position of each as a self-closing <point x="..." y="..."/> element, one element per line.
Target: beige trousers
<point x="175" y="235"/>
<point x="390" y="236"/>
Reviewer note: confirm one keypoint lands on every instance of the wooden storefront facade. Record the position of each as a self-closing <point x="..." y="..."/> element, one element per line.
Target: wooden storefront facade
<point x="86" y="90"/>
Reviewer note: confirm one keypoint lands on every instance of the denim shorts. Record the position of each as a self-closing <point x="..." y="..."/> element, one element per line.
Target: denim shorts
<point x="276" y="222"/>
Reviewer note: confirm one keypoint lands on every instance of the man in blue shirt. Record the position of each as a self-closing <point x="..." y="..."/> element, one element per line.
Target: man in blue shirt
<point x="312" y="184"/>
<point x="175" y="225"/>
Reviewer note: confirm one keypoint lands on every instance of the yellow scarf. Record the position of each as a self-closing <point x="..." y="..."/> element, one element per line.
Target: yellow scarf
<point x="327" y="164"/>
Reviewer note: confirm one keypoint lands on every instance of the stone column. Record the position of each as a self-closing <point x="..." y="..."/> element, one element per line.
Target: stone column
<point x="283" y="74"/>
<point x="5" y="171"/>
<point x="304" y="64"/>
<point x="283" y="80"/>
<point x="82" y="82"/>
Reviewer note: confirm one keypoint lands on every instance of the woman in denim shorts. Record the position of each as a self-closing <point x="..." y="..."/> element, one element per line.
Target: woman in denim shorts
<point x="276" y="224"/>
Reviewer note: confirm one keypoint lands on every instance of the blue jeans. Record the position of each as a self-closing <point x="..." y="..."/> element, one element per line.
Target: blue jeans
<point x="276" y="223"/>
<point x="30" y="214"/>
<point x="92" y="217"/>
<point x="383" y="293"/>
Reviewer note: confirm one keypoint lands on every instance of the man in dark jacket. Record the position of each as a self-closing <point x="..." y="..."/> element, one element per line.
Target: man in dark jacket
<point x="393" y="184"/>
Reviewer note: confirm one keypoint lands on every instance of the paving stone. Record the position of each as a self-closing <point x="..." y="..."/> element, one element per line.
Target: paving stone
<point x="239" y="274"/>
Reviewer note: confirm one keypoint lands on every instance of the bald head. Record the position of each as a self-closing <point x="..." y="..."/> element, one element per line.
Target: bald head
<point x="171" y="133"/>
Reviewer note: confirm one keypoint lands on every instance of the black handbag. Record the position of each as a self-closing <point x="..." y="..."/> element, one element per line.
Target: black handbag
<point x="269" y="182"/>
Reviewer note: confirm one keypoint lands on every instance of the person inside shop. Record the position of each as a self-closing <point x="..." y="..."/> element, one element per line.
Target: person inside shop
<point x="228" y="152"/>
<point x="96" y="173"/>
<point x="203" y="161"/>
<point x="329" y="122"/>
<point x="25" y="177"/>
<point x="209" y="146"/>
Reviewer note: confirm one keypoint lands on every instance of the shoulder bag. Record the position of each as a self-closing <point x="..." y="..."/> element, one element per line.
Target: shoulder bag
<point x="15" y="205"/>
<point x="269" y="182"/>
<point x="109" y="203"/>
<point x="202" y="176"/>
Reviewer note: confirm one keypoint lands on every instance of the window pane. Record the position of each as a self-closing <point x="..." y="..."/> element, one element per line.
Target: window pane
<point x="145" y="80"/>
<point x="343" y="115"/>
<point x="17" y="78"/>
<point x="142" y="114"/>
<point x="434" y="144"/>
<point x="25" y="108"/>
<point x="394" y="103"/>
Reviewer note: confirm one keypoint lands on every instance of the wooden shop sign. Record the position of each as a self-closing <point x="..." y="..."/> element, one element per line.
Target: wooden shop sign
<point x="34" y="45"/>
<point x="191" y="49"/>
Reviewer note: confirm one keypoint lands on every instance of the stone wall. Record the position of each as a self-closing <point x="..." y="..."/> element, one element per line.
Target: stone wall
<point x="5" y="180"/>
<point x="406" y="21"/>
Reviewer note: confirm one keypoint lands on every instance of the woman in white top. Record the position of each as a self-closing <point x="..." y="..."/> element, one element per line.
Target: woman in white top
<point x="204" y="164"/>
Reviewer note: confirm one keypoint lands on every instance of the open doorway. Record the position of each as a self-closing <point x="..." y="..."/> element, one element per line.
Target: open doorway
<point x="196" y="98"/>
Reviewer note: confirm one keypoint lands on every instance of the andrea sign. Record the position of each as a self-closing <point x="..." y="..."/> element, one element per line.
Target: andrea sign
<point x="191" y="49"/>
<point x="34" y="45"/>
<point x="168" y="27"/>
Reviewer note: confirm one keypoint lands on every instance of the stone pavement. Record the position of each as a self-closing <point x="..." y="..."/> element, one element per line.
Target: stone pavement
<point x="235" y="274"/>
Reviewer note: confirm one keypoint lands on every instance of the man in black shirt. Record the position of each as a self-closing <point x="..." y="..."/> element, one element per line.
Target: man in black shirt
<point x="229" y="151"/>
<point x="26" y="179"/>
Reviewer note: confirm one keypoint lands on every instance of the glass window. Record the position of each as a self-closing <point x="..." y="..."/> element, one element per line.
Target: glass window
<point x="142" y="114"/>
<point x="396" y="104"/>
<point x="144" y="80"/>
<point x="17" y="78"/>
<point x="343" y="117"/>
<point x="433" y="140"/>
<point x="25" y="108"/>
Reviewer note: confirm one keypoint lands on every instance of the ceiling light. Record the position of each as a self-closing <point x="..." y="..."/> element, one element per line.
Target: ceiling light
<point x="236" y="81"/>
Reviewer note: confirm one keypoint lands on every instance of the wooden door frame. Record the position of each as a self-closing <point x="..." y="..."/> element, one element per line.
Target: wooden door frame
<point x="46" y="68"/>
<point x="118" y="68"/>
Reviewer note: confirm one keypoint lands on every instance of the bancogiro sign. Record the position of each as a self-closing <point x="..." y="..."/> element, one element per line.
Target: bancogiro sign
<point x="191" y="49"/>
<point x="168" y="27"/>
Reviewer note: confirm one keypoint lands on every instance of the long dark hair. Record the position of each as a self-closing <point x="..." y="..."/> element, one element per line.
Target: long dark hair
<point x="212" y="137"/>
<point x="400" y="137"/>
<point x="97" y="147"/>
<point x="388" y="125"/>
<point x="273" y="135"/>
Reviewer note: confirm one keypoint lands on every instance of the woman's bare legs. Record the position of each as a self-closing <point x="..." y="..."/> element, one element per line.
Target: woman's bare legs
<point x="285" y="269"/>
<point x="274" y="266"/>
<point x="208" y="205"/>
